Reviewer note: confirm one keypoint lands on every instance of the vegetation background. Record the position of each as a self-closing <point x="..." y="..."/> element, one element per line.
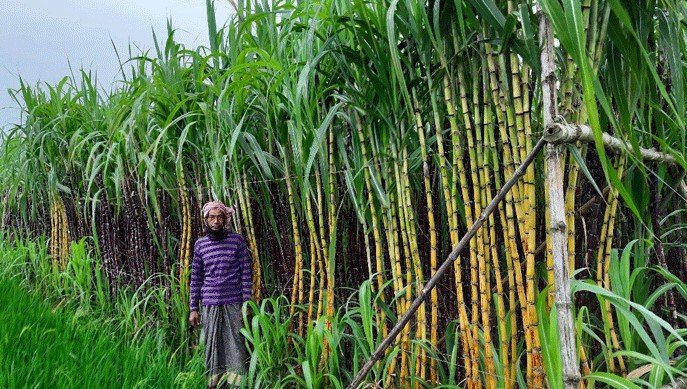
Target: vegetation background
<point x="359" y="140"/>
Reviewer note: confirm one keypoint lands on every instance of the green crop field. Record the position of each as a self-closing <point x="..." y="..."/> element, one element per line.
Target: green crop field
<point x="57" y="340"/>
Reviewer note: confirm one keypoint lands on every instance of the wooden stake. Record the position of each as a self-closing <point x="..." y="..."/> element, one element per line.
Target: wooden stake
<point x="558" y="229"/>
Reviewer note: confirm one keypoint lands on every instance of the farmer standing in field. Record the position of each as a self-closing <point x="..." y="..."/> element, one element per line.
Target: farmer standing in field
<point x="221" y="281"/>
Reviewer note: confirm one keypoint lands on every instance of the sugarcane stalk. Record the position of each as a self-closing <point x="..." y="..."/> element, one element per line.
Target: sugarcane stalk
<point x="297" y="289"/>
<point x="511" y="210"/>
<point x="323" y="268"/>
<point x="379" y="260"/>
<point x="527" y="241"/>
<point x="331" y="262"/>
<point x="257" y="268"/>
<point x="462" y="244"/>
<point x="466" y="336"/>
<point x="405" y="246"/>
<point x="605" y="247"/>
<point x="459" y="175"/>
<point x="486" y="148"/>
<point x="315" y="261"/>
<point x="394" y="248"/>
<point x="433" y="249"/>
<point x="506" y="102"/>
<point x="53" y="230"/>
<point x="479" y="268"/>
<point x="185" y="241"/>
<point x="331" y="281"/>
<point x="416" y="264"/>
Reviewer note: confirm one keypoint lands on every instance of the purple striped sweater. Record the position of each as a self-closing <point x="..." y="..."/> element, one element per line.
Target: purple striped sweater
<point x="221" y="271"/>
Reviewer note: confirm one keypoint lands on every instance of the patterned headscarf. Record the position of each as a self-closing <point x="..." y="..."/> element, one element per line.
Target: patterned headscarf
<point x="227" y="211"/>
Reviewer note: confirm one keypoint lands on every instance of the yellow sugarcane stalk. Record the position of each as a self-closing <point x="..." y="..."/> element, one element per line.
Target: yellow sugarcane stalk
<point x="330" y="260"/>
<point x="315" y="261"/>
<point x="65" y="244"/>
<point x="463" y="320"/>
<point x="605" y="248"/>
<point x="185" y="241"/>
<point x="53" y="231"/>
<point x="522" y="110"/>
<point x="379" y="260"/>
<point x="322" y="270"/>
<point x="390" y="225"/>
<point x="311" y="284"/>
<point x="332" y="230"/>
<point x="511" y="130"/>
<point x="535" y="367"/>
<point x="458" y="169"/>
<point x="471" y="207"/>
<point x="486" y="147"/>
<point x="486" y="243"/>
<point x="479" y="265"/>
<point x="405" y="245"/>
<point x="257" y="269"/>
<point x="416" y="265"/>
<point x="297" y="290"/>
<point x="433" y="249"/>
<point x="512" y="207"/>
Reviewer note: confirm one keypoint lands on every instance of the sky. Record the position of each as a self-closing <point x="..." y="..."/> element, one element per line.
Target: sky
<point x="40" y="38"/>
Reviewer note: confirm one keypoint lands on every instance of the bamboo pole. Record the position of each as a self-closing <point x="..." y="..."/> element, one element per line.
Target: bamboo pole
<point x="555" y="172"/>
<point x="559" y="133"/>
<point x="462" y="244"/>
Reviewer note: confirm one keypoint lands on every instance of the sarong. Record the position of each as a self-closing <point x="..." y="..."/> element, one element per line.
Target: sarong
<point x="225" y="351"/>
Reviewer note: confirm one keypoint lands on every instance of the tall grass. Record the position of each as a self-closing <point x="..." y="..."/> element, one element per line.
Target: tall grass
<point x="656" y="351"/>
<point x="43" y="345"/>
<point x="60" y="327"/>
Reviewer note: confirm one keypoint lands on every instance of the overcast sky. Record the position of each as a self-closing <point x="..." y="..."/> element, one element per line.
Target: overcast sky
<point x="39" y="38"/>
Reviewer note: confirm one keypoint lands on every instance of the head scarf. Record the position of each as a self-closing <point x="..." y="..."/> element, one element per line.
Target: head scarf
<point x="227" y="211"/>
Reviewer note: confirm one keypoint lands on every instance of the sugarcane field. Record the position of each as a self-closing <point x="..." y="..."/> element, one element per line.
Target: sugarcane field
<point x="344" y="194"/>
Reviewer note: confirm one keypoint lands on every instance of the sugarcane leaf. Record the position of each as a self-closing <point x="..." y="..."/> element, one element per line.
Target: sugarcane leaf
<point x="681" y="286"/>
<point x="491" y="12"/>
<point x="621" y="13"/>
<point x="319" y="138"/>
<point x="611" y="379"/>
<point x="548" y="333"/>
<point x="647" y="314"/>
<point x="583" y="166"/>
<point x="508" y="32"/>
<point x="381" y="194"/>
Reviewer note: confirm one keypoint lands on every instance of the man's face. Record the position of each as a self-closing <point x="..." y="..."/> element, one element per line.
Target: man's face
<point x="215" y="220"/>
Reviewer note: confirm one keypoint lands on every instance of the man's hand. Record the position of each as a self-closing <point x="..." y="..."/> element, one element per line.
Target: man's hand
<point x="194" y="319"/>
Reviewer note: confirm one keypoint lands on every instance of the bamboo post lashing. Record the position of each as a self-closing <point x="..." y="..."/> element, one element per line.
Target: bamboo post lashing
<point x="557" y="218"/>
<point x="462" y="244"/>
<point x="559" y="133"/>
<point x="562" y="133"/>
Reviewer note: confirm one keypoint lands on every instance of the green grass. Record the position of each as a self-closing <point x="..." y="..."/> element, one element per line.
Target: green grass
<point x="45" y="346"/>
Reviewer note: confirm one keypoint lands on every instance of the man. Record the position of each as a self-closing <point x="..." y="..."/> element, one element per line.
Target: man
<point x="221" y="281"/>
